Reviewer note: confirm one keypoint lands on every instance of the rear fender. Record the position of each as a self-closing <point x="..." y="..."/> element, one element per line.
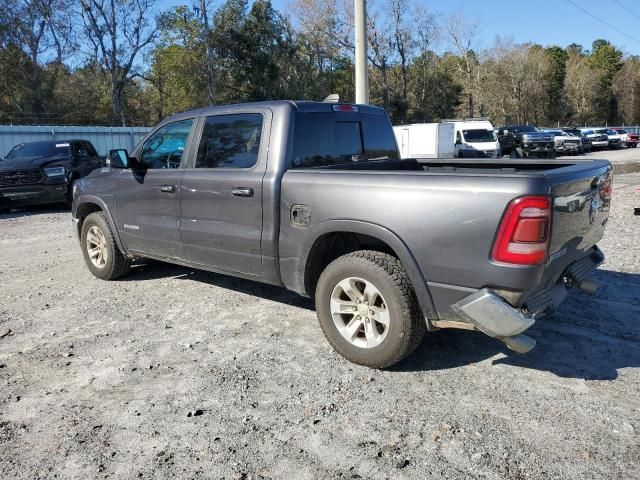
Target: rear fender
<point x="383" y="234"/>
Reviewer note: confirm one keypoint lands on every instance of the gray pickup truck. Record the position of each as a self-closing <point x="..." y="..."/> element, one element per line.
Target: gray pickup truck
<point x="314" y="197"/>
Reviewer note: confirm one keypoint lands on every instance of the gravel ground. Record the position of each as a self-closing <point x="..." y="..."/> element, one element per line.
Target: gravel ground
<point x="178" y="373"/>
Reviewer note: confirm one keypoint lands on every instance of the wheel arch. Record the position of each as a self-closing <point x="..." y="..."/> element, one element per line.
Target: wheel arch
<point x="333" y="238"/>
<point x="85" y="206"/>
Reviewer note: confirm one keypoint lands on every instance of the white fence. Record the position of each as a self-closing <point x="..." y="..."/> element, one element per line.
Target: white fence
<point x="103" y="138"/>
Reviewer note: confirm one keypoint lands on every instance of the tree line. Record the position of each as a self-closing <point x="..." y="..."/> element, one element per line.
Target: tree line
<point x="123" y="62"/>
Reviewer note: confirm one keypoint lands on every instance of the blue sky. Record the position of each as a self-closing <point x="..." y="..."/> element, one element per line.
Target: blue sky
<point x="548" y="22"/>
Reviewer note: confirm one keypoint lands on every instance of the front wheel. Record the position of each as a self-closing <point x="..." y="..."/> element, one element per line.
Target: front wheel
<point x="100" y="250"/>
<point x="368" y="310"/>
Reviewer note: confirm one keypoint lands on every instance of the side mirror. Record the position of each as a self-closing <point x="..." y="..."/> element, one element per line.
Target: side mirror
<point x="118" y="158"/>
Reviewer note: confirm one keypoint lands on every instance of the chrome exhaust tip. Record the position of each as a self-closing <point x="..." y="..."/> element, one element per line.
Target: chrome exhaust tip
<point x="519" y="343"/>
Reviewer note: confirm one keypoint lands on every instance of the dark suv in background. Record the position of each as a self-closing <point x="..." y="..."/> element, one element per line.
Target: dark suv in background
<point x="38" y="173"/>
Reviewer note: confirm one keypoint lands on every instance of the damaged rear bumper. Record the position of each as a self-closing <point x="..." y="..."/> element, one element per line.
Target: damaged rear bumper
<point x="487" y="311"/>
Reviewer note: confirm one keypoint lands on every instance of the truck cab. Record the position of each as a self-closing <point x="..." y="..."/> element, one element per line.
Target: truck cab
<point x="475" y="138"/>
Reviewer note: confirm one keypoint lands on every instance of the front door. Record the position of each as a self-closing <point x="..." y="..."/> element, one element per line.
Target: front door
<point x="221" y="196"/>
<point x="148" y="199"/>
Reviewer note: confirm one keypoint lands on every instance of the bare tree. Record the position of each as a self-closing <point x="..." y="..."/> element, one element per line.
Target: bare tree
<point x="462" y="36"/>
<point x="202" y="11"/>
<point x="42" y="31"/>
<point x="381" y="51"/>
<point x="119" y="31"/>
<point x="626" y="88"/>
<point x="583" y="88"/>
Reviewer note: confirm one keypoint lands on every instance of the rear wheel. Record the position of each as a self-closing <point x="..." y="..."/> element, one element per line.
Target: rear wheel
<point x="100" y="250"/>
<point x="368" y="310"/>
<point x="516" y="153"/>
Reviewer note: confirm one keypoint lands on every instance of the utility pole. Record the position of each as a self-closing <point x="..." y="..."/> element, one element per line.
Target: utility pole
<point x="209" y="60"/>
<point x="362" y="75"/>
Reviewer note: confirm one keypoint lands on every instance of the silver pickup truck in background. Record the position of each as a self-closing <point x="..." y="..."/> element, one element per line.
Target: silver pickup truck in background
<point x="314" y="197"/>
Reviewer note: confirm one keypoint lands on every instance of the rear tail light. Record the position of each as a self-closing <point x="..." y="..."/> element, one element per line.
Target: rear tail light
<point x="523" y="236"/>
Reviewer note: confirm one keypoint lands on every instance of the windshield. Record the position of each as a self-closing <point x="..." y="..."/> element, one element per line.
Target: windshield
<point x="525" y="128"/>
<point x="39" y="149"/>
<point x="479" y="135"/>
<point x="612" y="132"/>
<point x="602" y="130"/>
<point x="322" y="139"/>
<point x="621" y="130"/>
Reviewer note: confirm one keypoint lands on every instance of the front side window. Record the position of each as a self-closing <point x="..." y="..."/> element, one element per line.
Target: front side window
<point x="80" y="151"/>
<point x="230" y="141"/>
<point x="165" y="148"/>
<point x="90" y="150"/>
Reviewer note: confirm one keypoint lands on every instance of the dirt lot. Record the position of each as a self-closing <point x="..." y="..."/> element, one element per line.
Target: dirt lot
<point x="177" y="373"/>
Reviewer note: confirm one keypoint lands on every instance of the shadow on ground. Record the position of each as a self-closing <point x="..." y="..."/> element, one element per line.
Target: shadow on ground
<point x="151" y="269"/>
<point x="35" y="210"/>
<point x="568" y="344"/>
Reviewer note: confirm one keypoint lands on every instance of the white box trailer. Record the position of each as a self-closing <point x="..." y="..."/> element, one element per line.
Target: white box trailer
<point x="426" y="140"/>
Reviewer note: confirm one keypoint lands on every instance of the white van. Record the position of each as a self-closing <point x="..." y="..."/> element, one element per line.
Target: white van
<point x="475" y="138"/>
<point x="425" y="140"/>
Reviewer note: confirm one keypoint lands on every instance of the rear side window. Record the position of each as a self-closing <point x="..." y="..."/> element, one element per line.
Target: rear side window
<point x="324" y="139"/>
<point x="230" y="141"/>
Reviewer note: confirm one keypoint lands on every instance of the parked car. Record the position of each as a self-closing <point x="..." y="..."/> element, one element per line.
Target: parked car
<point x="564" y="142"/>
<point x="528" y="141"/>
<point x="475" y="138"/>
<point x="614" y="140"/>
<point x="425" y="140"/>
<point x="630" y="140"/>
<point x="623" y="135"/>
<point x="314" y="197"/>
<point x="505" y="139"/>
<point x="43" y="172"/>
<point x="598" y="141"/>
<point x="584" y="138"/>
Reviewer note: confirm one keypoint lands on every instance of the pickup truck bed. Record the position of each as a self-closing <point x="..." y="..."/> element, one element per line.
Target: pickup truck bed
<point x="444" y="213"/>
<point x="314" y="197"/>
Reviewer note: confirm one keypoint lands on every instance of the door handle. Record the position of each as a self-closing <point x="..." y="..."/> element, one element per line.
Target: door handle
<point x="242" y="192"/>
<point x="168" y="188"/>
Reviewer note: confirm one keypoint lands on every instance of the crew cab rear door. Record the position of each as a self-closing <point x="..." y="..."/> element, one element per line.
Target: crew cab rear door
<point x="221" y="192"/>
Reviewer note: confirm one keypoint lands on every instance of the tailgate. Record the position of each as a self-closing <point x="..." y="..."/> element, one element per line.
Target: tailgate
<point x="581" y="198"/>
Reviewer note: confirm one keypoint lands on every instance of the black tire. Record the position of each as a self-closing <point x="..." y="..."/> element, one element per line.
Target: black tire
<point x="116" y="264"/>
<point x="516" y="153"/>
<point x="406" y="325"/>
<point x="552" y="154"/>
